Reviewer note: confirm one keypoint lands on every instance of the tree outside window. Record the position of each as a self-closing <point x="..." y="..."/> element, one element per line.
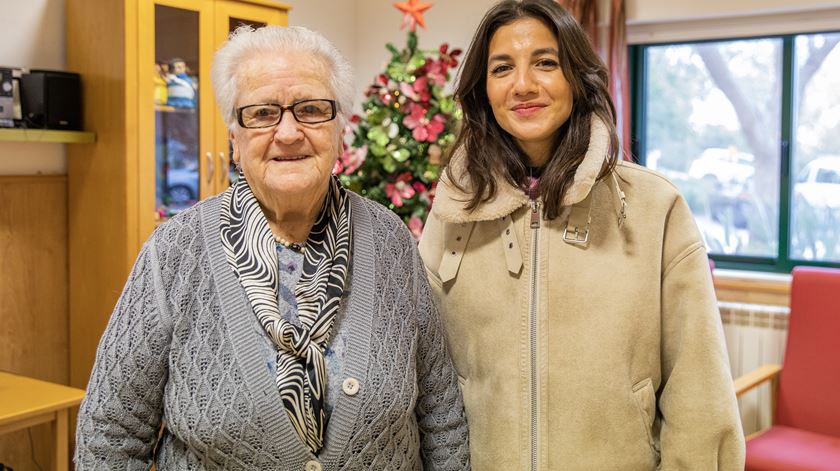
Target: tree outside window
<point x="728" y="121"/>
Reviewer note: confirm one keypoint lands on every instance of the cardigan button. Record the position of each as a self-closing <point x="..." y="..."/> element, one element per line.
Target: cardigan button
<point x="312" y="465"/>
<point x="350" y="386"/>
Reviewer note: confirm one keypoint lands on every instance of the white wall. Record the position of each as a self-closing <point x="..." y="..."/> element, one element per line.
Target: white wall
<point x="33" y="37"/>
<point x="369" y="24"/>
<point x="653" y="10"/>
<point x="335" y="19"/>
<point x="359" y="28"/>
<point x="378" y="22"/>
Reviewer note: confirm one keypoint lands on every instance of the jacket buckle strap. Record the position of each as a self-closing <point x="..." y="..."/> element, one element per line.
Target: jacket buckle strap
<point x="510" y="245"/>
<point x="579" y="222"/>
<point x="576" y="237"/>
<point x="457" y="236"/>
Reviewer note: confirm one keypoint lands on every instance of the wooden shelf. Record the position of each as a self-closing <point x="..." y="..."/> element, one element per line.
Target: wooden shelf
<point x="172" y="109"/>
<point x="47" y="135"/>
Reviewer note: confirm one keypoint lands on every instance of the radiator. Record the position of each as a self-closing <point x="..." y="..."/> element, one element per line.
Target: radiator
<point x="755" y="335"/>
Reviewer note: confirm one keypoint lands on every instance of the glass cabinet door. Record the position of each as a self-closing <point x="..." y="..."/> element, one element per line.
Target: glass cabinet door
<point x="183" y="154"/>
<point x="177" y="110"/>
<point x="174" y="108"/>
<point x="229" y="16"/>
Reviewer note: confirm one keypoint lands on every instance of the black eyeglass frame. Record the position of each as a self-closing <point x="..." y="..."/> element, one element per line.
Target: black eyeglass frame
<point x="283" y="109"/>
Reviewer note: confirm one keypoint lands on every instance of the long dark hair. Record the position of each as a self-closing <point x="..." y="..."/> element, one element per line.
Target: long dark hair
<point x="490" y="151"/>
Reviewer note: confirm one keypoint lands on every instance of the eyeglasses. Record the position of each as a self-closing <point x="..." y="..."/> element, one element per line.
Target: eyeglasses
<point x="265" y="115"/>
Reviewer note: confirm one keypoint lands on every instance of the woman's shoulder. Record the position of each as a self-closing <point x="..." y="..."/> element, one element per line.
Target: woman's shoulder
<point x="381" y="222"/>
<point x="651" y="197"/>
<point x="378" y="214"/>
<point x="180" y="231"/>
<point x="653" y="183"/>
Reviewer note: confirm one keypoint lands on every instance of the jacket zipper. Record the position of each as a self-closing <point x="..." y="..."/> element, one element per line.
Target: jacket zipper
<point x="535" y="237"/>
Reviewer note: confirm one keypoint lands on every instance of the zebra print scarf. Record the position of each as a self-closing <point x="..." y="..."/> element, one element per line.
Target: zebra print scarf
<point x="252" y="254"/>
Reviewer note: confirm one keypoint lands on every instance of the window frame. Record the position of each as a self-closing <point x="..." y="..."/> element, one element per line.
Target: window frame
<point x="782" y="262"/>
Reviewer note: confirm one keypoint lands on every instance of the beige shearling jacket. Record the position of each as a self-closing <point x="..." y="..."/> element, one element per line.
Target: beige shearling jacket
<point x="588" y="342"/>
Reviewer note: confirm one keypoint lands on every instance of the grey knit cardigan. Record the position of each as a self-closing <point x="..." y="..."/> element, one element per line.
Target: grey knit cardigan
<point x="182" y="348"/>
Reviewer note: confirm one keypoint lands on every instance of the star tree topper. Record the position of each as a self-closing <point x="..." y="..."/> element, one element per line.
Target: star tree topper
<point x="412" y="13"/>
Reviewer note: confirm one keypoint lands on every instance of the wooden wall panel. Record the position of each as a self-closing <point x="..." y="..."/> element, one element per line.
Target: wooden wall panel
<point x="102" y="222"/>
<point x="33" y="299"/>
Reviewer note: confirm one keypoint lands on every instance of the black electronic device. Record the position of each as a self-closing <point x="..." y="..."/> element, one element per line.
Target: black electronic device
<point x="51" y="99"/>
<point x="10" y="112"/>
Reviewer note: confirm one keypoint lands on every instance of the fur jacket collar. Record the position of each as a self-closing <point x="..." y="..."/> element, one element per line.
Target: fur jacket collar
<point x="450" y="202"/>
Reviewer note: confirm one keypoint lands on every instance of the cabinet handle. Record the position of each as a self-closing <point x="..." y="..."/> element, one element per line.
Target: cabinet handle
<point x="222" y="167"/>
<point x="210" y="168"/>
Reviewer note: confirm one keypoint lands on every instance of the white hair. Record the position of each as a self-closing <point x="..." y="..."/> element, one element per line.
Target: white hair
<point x="246" y="41"/>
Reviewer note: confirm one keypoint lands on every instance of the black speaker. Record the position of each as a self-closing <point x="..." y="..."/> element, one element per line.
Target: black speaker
<point x="51" y="100"/>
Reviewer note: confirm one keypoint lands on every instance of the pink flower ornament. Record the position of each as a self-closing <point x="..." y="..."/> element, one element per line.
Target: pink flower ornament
<point x="415" y="225"/>
<point x="400" y="190"/>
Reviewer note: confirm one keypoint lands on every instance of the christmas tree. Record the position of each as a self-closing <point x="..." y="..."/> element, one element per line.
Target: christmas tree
<point x="394" y="149"/>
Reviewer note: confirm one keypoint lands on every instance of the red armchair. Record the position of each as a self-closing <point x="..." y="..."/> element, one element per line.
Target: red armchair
<point x="805" y="434"/>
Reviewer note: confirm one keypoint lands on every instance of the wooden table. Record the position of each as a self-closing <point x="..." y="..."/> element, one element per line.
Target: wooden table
<point x="25" y="402"/>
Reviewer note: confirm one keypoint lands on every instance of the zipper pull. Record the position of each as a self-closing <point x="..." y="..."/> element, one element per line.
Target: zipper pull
<point x="535" y="214"/>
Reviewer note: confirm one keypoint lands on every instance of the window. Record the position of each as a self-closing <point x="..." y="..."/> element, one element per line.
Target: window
<point x="749" y="131"/>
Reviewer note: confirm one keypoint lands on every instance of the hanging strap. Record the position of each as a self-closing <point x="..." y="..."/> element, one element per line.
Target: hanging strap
<point x="620" y="200"/>
<point x="457" y="236"/>
<point x="510" y="245"/>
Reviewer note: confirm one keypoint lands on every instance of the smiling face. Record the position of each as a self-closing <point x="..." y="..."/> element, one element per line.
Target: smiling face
<point x="526" y="88"/>
<point x="290" y="163"/>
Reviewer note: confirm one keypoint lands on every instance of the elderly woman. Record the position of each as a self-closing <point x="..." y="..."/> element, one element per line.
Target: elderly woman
<point x="286" y="324"/>
<point x="575" y="289"/>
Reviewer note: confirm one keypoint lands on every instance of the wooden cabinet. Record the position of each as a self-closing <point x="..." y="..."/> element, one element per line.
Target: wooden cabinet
<point x="161" y="144"/>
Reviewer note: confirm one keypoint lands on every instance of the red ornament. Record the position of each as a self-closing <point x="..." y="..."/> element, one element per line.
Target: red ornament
<point x="412" y="13"/>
